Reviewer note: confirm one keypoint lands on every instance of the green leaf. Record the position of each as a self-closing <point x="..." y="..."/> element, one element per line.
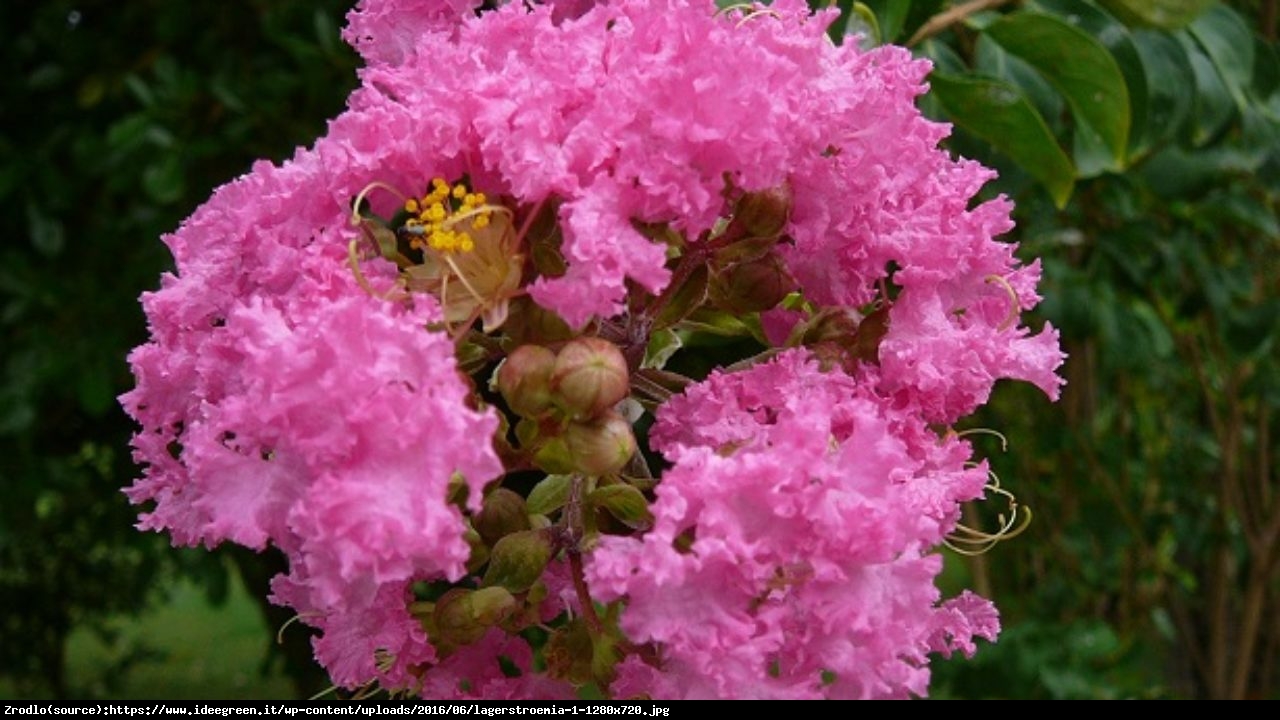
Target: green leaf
<point x="1079" y="67"/>
<point x="625" y="503"/>
<point x="1001" y="115"/>
<point x="861" y="22"/>
<point x="1214" y="105"/>
<point x="1227" y="40"/>
<point x="1168" y="74"/>
<point x="1163" y="14"/>
<point x="685" y="300"/>
<point x="891" y="15"/>
<point x="548" y="495"/>
<point x="163" y="180"/>
<point x="662" y="345"/>
<point x="48" y="234"/>
<point x="991" y="60"/>
<point x="1119" y="42"/>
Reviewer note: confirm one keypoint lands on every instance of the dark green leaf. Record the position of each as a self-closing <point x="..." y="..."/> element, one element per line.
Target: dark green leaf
<point x="163" y="180"/>
<point x="1001" y="114"/>
<point x="1214" y="105"/>
<point x="1229" y="44"/>
<point x="994" y="61"/>
<point x="1164" y="14"/>
<point x="1168" y="76"/>
<point x="892" y="16"/>
<point x="1079" y="67"/>
<point x="1119" y="42"/>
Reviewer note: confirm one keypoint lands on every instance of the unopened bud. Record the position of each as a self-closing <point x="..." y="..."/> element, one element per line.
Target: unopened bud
<point x="518" y="560"/>
<point x="764" y="213"/>
<point x="503" y="513"/>
<point x="492" y="605"/>
<point x="462" y="616"/>
<point x="844" y="337"/>
<point x="590" y="376"/>
<point x="525" y="379"/>
<point x="833" y="324"/>
<point x="601" y="445"/>
<point x="752" y="286"/>
<point x="455" y="619"/>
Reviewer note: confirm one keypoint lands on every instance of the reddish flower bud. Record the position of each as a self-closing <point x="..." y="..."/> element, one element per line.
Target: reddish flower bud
<point x="752" y="286"/>
<point x="503" y="513"/>
<point x="525" y="379"/>
<point x="764" y="213"/>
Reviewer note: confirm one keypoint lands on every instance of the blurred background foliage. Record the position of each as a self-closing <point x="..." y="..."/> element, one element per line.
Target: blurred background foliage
<point x="1139" y="138"/>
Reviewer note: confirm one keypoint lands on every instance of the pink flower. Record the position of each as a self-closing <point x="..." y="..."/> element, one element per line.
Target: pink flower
<point x="290" y="397"/>
<point x="790" y="555"/>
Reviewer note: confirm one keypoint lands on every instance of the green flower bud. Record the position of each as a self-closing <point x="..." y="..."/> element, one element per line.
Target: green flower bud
<point x="524" y="379"/>
<point x="590" y="376"/>
<point x="752" y="286"/>
<point x="462" y="616"/>
<point x="455" y="619"/>
<point x="518" y="560"/>
<point x="503" y="513"/>
<point x="601" y="445"/>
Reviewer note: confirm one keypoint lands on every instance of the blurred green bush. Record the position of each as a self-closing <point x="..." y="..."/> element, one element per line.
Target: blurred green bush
<point x="1141" y="141"/>
<point x="117" y="120"/>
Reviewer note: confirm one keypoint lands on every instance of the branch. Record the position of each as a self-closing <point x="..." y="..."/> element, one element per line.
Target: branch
<point x="947" y="18"/>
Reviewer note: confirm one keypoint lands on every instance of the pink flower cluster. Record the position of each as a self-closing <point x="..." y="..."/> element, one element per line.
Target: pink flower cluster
<point x="793" y="533"/>
<point x="283" y="405"/>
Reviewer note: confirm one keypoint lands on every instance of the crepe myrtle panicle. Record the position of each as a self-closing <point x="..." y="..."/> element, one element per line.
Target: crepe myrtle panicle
<point x="451" y="360"/>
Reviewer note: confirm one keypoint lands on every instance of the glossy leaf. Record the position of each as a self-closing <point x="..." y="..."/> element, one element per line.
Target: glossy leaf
<point x="1079" y="67"/>
<point x="1214" y="105"/>
<point x="1118" y="41"/>
<point x="548" y="495"/>
<point x="1164" y="14"/>
<point x="991" y="60"/>
<point x="1000" y="114"/>
<point x="1228" y="42"/>
<point x="892" y="16"/>
<point x="625" y="503"/>
<point x="1169" y="75"/>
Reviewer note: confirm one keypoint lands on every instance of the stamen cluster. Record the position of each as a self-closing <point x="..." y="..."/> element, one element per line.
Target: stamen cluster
<point x="434" y="216"/>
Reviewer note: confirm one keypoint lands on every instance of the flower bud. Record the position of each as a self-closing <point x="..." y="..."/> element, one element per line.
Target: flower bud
<point x="764" y="213"/>
<point x="454" y="620"/>
<point x="844" y="337"/>
<point x="503" y="513"/>
<point x="590" y="376"/>
<point x="462" y="616"/>
<point x="518" y="560"/>
<point x="525" y="380"/>
<point x="492" y="605"/>
<point x="752" y="286"/>
<point x="601" y="445"/>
